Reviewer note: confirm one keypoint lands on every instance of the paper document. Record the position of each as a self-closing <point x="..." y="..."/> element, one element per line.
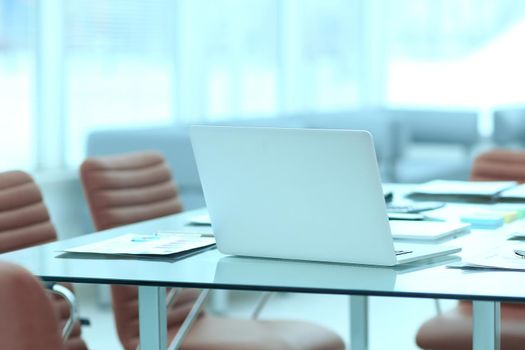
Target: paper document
<point x="502" y="258"/>
<point x="149" y="245"/>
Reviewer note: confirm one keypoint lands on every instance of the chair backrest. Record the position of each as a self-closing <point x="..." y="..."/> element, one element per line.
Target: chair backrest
<point x="123" y="189"/>
<point x="24" y="219"/>
<point x="24" y="222"/>
<point x="173" y="142"/>
<point x="127" y="188"/>
<point x="28" y="321"/>
<point x="499" y="165"/>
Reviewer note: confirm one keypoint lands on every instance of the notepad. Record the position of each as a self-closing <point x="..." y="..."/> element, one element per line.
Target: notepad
<point x="507" y="215"/>
<point x="518" y="230"/>
<point x="484" y="221"/>
<point x="426" y="230"/>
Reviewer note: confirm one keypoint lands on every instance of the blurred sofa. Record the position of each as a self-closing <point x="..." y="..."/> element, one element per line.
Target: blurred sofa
<point x="509" y="127"/>
<point x="442" y="144"/>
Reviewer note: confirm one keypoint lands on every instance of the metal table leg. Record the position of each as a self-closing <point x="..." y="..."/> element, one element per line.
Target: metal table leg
<point x="358" y="322"/>
<point x="152" y="317"/>
<point x="486" y="325"/>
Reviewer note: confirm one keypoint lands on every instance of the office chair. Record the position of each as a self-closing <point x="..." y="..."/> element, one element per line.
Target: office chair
<point x="453" y="329"/>
<point x="499" y="165"/>
<point x="127" y="188"/>
<point x="28" y="319"/>
<point x="24" y="222"/>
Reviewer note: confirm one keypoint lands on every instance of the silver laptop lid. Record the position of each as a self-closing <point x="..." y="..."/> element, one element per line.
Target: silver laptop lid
<point x="294" y="193"/>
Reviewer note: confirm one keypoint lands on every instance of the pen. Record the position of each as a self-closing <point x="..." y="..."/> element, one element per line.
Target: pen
<point x="520" y="253"/>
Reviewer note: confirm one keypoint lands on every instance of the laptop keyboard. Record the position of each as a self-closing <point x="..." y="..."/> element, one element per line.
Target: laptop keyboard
<point x="401" y="252"/>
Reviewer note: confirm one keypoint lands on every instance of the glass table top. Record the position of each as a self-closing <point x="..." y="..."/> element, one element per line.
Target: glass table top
<point x="212" y="269"/>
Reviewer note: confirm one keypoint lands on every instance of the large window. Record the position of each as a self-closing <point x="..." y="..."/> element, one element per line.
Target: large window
<point x="226" y="58"/>
<point x="118" y="66"/>
<point x="455" y="53"/>
<point x="319" y="50"/>
<point x="134" y="63"/>
<point x="16" y="94"/>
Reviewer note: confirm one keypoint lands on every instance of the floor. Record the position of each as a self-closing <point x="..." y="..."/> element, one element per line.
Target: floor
<point x="393" y="321"/>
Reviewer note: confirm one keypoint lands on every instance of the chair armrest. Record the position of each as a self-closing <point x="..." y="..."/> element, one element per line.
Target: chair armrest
<point x="71" y="300"/>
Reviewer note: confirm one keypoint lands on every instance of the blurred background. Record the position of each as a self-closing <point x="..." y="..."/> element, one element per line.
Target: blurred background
<point x="68" y="68"/>
<point x="435" y="81"/>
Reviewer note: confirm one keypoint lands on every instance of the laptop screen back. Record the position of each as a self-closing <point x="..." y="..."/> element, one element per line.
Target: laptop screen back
<point x="294" y="193"/>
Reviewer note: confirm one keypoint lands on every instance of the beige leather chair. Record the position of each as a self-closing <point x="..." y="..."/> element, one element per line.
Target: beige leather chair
<point x="24" y="222"/>
<point x="453" y="330"/>
<point x="499" y="165"/>
<point x="128" y="188"/>
<point x="28" y="319"/>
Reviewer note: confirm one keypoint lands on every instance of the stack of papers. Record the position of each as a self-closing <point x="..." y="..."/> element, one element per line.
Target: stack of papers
<point x="514" y="194"/>
<point x="427" y="230"/>
<point x="449" y="190"/>
<point x="131" y="244"/>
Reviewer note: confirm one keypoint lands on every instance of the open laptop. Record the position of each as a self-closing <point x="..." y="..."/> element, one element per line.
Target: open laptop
<point x="302" y="194"/>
